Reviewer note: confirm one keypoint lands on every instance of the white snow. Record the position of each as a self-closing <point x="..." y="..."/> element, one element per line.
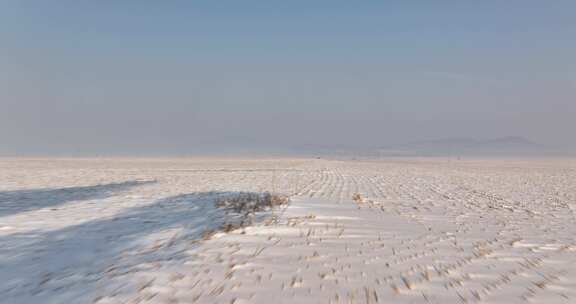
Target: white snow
<point x="426" y="231"/>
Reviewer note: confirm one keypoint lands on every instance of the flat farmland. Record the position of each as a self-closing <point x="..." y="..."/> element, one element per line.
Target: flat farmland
<point x="133" y="230"/>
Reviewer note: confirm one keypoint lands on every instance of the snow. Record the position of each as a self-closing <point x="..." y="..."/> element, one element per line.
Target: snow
<point x="426" y="231"/>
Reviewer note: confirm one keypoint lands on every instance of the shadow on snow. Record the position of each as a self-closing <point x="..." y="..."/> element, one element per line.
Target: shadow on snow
<point x="81" y="255"/>
<point x="13" y="202"/>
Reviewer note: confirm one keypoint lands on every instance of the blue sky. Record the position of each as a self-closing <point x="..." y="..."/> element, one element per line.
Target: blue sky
<point x="186" y="76"/>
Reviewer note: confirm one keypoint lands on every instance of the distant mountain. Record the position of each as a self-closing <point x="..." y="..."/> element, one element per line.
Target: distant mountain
<point x="509" y="145"/>
<point x="454" y="146"/>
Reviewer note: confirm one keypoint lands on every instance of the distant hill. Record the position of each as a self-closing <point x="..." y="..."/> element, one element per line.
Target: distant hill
<point x="509" y="145"/>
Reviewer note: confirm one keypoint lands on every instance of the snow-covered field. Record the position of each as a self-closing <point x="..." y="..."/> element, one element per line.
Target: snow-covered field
<point x="426" y="231"/>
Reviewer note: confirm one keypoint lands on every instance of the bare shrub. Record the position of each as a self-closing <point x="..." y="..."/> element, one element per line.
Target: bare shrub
<point x="357" y="197"/>
<point x="251" y="202"/>
<point x="240" y="208"/>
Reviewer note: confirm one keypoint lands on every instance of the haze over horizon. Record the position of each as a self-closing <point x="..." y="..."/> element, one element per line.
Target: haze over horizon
<point x="184" y="77"/>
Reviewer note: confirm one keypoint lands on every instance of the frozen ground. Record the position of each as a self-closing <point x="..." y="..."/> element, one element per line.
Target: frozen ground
<point x="426" y="231"/>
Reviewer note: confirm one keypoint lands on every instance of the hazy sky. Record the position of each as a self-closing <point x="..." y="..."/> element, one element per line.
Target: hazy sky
<point x="148" y="77"/>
